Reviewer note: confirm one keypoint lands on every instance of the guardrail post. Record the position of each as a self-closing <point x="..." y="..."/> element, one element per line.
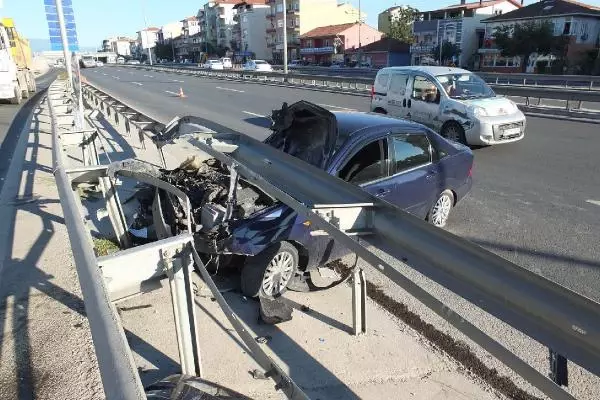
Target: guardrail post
<point x="178" y="269"/>
<point x="359" y="302"/>
<point x="115" y="213"/>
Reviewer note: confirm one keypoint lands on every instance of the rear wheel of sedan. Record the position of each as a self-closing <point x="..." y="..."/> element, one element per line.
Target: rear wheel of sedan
<point x="268" y="273"/>
<point x="453" y="131"/>
<point x="441" y="208"/>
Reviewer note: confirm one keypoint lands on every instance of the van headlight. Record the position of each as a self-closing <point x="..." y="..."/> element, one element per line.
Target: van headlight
<point x="477" y="111"/>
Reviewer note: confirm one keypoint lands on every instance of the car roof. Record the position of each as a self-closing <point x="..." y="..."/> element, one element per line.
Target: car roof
<point x="431" y="70"/>
<point x="350" y="122"/>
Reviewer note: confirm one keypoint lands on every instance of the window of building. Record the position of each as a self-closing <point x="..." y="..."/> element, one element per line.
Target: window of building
<point x="280" y="23"/>
<point x="410" y="151"/>
<point x="327" y="43"/>
<point x="567" y="28"/>
<point x="369" y="164"/>
<point x="280" y="7"/>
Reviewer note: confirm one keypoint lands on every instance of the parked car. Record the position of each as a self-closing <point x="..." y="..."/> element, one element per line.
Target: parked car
<point x="337" y="65"/>
<point x="226" y="61"/>
<point x="403" y="163"/>
<point x="452" y="101"/>
<point x="133" y="62"/>
<point x="258" y="65"/>
<point x="99" y="64"/>
<point x="213" y="64"/>
<point x="295" y="64"/>
<point x="120" y="60"/>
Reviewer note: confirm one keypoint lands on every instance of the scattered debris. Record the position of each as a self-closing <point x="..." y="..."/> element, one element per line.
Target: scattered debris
<point x="263" y="339"/>
<point x="321" y="340"/>
<point x="135" y="307"/>
<point x="104" y="247"/>
<point x="258" y="374"/>
<point x="274" y="311"/>
<point x="305" y="308"/>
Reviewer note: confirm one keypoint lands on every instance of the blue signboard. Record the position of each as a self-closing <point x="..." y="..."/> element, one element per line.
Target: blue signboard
<point x="54" y="28"/>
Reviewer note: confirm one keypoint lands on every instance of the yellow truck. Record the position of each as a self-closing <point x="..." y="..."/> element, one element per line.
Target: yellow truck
<point x="17" y="80"/>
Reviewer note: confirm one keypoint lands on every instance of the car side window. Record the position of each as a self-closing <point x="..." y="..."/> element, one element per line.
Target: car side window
<point x="425" y="90"/>
<point x="398" y="84"/>
<point x="410" y="151"/>
<point x="368" y="164"/>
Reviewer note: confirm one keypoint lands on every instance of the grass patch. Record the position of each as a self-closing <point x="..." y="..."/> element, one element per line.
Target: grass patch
<point x="104" y="247"/>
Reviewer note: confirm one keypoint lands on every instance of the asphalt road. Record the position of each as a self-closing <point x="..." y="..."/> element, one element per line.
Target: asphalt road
<point x="535" y="202"/>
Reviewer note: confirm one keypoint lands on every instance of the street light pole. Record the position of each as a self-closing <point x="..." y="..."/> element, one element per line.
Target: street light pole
<point x="285" y="44"/>
<point x="146" y="33"/>
<point x="65" y="41"/>
<point x="172" y="47"/>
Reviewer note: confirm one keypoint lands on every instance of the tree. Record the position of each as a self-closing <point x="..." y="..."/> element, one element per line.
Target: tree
<point x="163" y="51"/>
<point x="401" y="24"/>
<point x="522" y="40"/>
<point x="449" y="50"/>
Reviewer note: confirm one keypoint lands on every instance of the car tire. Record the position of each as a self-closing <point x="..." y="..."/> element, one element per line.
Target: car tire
<point x="453" y="131"/>
<point x="18" y="97"/>
<point x="268" y="273"/>
<point x="441" y="208"/>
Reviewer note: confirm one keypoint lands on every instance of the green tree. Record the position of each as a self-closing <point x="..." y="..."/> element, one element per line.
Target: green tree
<point x="522" y="40"/>
<point x="449" y="50"/>
<point x="164" y="51"/>
<point x="401" y="24"/>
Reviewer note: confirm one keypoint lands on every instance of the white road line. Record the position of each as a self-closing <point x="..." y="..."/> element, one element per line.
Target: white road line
<point x="104" y="74"/>
<point x="137" y="83"/>
<point x="148" y="76"/>
<point x="175" y="80"/>
<point x="341" y="108"/>
<point x="255" y="114"/>
<point x="173" y="93"/>
<point x="116" y="77"/>
<point x="230" y="90"/>
<point x="594" y="202"/>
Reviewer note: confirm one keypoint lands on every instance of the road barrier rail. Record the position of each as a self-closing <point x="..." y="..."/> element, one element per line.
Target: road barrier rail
<point x="564" y="321"/>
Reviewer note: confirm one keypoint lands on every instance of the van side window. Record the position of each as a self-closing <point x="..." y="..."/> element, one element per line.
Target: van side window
<point x="425" y="90"/>
<point x="382" y="80"/>
<point x="398" y="84"/>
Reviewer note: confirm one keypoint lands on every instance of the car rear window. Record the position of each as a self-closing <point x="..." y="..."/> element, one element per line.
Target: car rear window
<point x="382" y="80"/>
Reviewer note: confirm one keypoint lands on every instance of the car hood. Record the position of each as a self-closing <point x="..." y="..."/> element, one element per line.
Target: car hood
<point x="494" y="106"/>
<point x="305" y="131"/>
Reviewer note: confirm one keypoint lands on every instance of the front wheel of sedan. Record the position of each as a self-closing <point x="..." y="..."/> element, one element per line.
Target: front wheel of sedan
<point x="268" y="273"/>
<point x="441" y="208"/>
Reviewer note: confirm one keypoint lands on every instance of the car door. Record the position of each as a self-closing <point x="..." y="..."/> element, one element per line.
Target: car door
<point x="415" y="178"/>
<point x="424" y="101"/>
<point x="397" y="102"/>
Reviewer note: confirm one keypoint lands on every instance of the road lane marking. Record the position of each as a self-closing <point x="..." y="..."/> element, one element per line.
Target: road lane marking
<point x="173" y="93"/>
<point x="231" y="90"/>
<point x="148" y="76"/>
<point x="341" y="108"/>
<point x="594" y="202"/>
<point x="104" y="74"/>
<point x="116" y="77"/>
<point x="175" y="80"/>
<point x="255" y="114"/>
<point x="137" y="83"/>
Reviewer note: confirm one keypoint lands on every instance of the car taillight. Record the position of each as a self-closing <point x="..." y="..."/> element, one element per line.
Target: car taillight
<point x="372" y="91"/>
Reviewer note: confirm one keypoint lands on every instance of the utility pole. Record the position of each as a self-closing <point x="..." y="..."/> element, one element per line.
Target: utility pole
<point x="285" y="43"/>
<point x="172" y="47"/>
<point x="146" y="33"/>
<point x="65" y="41"/>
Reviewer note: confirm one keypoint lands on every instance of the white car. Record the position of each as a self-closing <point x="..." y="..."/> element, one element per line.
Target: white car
<point x="120" y="60"/>
<point x="258" y="65"/>
<point x="133" y="62"/>
<point x="226" y="61"/>
<point x="99" y="64"/>
<point x="213" y="64"/>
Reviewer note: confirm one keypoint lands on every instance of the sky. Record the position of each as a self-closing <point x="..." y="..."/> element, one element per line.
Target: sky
<point x="97" y="20"/>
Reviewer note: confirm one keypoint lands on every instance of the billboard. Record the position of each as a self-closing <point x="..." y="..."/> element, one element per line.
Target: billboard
<point x="54" y="28"/>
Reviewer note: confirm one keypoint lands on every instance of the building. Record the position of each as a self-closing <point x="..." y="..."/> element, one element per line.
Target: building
<point x="580" y="22"/>
<point x="328" y="44"/>
<point x="169" y="31"/>
<point x="147" y="39"/>
<point x="190" y="26"/>
<point x="386" y="52"/>
<point x="119" y="45"/>
<point x="383" y="19"/>
<point x="302" y="17"/>
<point x="459" y="24"/>
<point x="217" y="20"/>
<point x="250" y="30"/>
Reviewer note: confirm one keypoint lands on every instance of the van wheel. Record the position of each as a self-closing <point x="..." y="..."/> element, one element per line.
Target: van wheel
<point x="268" y="273"/>
<point x="453" y="131"/>
<point x="18" y="96"/>
<point x="379" y="111"/>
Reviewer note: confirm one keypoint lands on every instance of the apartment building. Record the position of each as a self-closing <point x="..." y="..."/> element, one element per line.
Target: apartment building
<point x="146" y="39"/>
<point x="459" y="24"/>
<point x="190" y="26"/>
<point x="579" y="21"/>
<point x="216" y="18"/>
<point x="302" y="17"/>
<point x="169" y="31"/>
<point x="119" y="45"/>
<point x="250" y="30"/>
<point x="384" y="17"/>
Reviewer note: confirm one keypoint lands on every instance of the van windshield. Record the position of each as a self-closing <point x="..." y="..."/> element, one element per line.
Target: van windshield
<point x="465" y="86"/>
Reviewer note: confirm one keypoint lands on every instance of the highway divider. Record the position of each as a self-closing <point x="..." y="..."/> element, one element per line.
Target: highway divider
<point x="569" y="104"/>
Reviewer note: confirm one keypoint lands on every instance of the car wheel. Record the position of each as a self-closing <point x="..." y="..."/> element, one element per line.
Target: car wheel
<point x="453" y="131"/>
<point x="441" y="208"/>
<point x="18" y="96"/>
<point x="268" y="273"/>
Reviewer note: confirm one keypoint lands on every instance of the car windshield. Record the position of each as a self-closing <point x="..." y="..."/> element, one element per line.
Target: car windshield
<point x="465" y="86"/>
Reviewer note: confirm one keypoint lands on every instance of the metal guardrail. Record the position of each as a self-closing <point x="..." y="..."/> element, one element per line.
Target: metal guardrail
<point x="566" y="322"/>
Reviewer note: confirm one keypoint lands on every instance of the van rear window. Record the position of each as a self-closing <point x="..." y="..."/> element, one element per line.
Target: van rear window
<point x="382" y="80"/>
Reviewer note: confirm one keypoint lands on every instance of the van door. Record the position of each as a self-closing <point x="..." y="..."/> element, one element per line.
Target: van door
<point x="424" y="102"/>
<point x="397" y="102"/>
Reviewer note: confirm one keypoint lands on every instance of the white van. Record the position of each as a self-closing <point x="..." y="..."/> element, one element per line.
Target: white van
<point x="452" y="101"/>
